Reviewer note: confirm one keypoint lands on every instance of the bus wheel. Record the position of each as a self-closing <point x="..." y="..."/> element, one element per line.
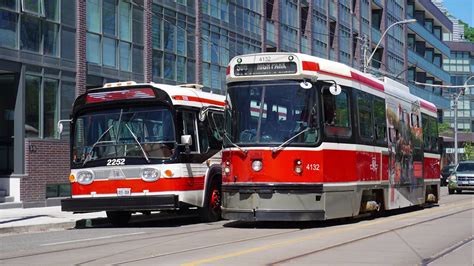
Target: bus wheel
<point x="119" y="219"/>
<point x="450" y="191"/>
<point x="211" y="211"/>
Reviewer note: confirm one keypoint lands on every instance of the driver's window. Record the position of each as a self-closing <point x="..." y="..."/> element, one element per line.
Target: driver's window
<point x="189" y="128"/>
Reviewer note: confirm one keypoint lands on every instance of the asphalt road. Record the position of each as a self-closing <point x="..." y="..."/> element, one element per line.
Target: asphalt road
<point x="440" y="235"/>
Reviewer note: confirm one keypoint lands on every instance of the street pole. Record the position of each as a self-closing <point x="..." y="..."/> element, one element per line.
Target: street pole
<point x="455" y="103"/>
<point x="366" y="65"/>
<point x="455" y="107"/>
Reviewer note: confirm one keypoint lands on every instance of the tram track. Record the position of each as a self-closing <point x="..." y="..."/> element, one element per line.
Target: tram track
<point x="152" y="236"/>
<point x="368" y="237"/>
<point x="288" y="242"/>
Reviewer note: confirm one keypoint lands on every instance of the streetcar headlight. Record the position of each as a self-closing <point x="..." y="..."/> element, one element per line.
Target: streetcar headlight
<point x="85" y="177"/>
<point x="150" y="174"/>
<point x="298" y="168"/>
<point x="227" y="170"/>
<point x="257" y="165"/>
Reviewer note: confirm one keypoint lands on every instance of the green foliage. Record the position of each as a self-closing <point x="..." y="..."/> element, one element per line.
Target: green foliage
<point x="468" y="151"/>
<point x="444" y="128"/>
<point x="468" y="31"/>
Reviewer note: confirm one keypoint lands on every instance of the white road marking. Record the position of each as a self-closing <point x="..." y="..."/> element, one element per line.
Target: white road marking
<point x="89" y="239"/>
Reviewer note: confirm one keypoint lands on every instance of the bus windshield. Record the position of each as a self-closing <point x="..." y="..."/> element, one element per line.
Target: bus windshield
<point x="270" y="113"/>
<point x="124" y="132"/>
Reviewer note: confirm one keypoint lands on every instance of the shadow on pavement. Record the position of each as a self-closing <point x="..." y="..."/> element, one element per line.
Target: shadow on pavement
<point x="142" y="220"/>
<point x="319" y="224"/>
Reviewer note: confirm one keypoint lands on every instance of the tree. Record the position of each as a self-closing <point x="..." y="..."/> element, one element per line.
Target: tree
<point x="444" y="129"/>
<point x="468" y="151"/>
<point x="468" y="31"/>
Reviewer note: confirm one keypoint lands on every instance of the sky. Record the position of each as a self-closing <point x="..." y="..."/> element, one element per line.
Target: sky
<point x="461" y="9"/>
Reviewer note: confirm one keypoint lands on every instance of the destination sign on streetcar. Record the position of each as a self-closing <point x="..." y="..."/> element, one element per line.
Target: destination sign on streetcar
<point x="265" y="69"/>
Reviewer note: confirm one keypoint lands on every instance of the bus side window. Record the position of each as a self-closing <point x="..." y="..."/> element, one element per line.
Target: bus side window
<point x="189" y="128"/>
<point x="336" y="114"/>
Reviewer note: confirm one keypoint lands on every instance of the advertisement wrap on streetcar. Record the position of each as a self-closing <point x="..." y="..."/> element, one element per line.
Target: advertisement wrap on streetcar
<point x="146" y="147"/>
<point x="312" y="139"/>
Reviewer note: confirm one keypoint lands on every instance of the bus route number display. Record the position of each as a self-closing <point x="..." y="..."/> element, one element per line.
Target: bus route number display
<point x="265" y="69"/>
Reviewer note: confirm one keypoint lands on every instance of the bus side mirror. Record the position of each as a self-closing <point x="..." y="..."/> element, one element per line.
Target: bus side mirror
<point x="187" y="141"/>
<point x="61" y="126"/>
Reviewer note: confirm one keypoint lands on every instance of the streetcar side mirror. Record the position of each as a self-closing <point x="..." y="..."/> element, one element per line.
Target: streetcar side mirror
<point x="203" y="114"/>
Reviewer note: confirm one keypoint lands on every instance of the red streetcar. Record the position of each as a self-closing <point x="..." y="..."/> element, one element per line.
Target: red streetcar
<point x="312" y="139"/>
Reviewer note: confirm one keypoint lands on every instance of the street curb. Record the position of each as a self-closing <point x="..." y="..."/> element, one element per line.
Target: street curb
<point x="37" y="228"/>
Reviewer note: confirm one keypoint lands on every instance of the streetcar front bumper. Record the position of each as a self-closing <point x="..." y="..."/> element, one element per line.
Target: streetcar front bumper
<point x="122" y="203"/>
<point x="273" y="202"/>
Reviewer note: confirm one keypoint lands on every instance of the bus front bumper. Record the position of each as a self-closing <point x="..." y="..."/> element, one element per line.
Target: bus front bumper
<point x="124" y="203"/>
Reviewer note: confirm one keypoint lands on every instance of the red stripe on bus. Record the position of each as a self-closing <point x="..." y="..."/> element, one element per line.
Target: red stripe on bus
<point x="138" y="185"/>
<point x="368" y="81"/>
<point x="197" y="99"/>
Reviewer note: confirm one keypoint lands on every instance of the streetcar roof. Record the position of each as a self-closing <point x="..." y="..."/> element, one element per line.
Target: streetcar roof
<point x="310" y="67"/>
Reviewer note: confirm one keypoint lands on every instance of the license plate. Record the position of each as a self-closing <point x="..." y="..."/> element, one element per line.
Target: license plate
<point x="124" y="191"/>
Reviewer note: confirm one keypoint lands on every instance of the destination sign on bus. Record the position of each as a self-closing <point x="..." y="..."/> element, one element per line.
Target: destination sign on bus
<point x="265" y="69"/>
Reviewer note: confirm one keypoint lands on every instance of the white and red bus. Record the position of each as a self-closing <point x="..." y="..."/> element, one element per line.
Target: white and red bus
<point x="146" y="147"/>
<point x="312" y="139"/>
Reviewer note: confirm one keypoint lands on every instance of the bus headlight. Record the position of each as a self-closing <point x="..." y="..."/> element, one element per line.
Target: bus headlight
<point x="85" y="177"/>
<point x="150" y="174"/>
<point x="257" y="165"/>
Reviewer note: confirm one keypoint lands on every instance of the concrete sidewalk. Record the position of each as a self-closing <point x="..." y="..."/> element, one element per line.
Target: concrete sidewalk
<point x="19" y="220"/>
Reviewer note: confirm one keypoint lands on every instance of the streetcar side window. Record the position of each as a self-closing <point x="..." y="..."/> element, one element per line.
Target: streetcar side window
<point x="426" y="132"/>
<point x="336" y="114"/>
<point x="433" y="134"/>
<point x="364" y="108"/>
<point x="380" y="120"/>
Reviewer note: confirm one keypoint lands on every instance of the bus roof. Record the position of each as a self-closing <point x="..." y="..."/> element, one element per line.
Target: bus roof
<point x="184" y="95"/>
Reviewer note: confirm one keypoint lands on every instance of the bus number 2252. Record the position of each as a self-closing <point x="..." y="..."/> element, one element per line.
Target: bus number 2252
<point x="116" y="162"/>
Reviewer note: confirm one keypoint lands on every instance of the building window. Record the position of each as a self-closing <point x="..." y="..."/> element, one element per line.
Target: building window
<point x="51" y="8"/>
<point x="30" y="34"/>
<point x="93" y="48"/>
<point x="33" y="6"/>
<point x="8" y="29"/>
<point x="109" y="52"/>
<point x="42" y="107"/>
<point x="51" y="39"/>
<point x="32" y="106"/>
<point x="68" y="44"/>
<point x="125" y="56"/>
<point x="68" y="12"/>
<point x="50" y="108"/>
<point x="93" y="16"/>
<point x="125" y="20"/>
<point x="108" y="17"/>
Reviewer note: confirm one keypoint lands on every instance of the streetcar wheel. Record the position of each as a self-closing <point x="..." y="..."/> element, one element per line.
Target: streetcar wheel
<point x="211" y="211"/>
<point x="450" y="191"/>
<point x="459" y="191"/>
<point x="118" y="218"/>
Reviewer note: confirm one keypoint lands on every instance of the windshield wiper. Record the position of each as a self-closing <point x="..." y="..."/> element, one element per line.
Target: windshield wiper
<point x="235" y="145"/>
<point x="89" y="156"/>
<point x="275" y="150"/>
<point x="138" y="142"/>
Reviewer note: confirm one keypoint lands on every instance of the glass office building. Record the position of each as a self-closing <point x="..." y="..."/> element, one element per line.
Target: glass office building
<point x="53" y="50"/>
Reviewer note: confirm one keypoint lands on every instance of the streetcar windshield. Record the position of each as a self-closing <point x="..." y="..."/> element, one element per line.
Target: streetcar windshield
<point x="270" y="112"/>
<point x="124" y="132"/>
